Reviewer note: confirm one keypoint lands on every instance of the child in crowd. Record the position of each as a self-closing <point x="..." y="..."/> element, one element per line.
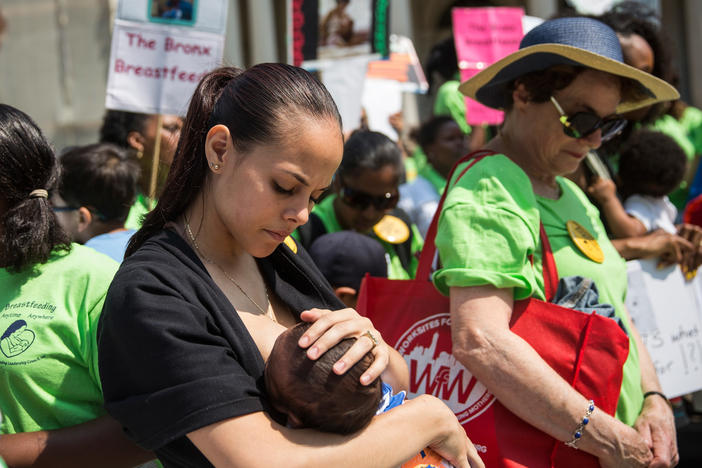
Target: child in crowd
<point x="651" y="165"/>
<point x="344" y="258"/>
<point x="97" y="189"/>
<point x="311" y="395"/>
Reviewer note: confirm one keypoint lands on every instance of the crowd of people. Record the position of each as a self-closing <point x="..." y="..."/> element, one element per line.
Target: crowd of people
<point x="206" y="316"/>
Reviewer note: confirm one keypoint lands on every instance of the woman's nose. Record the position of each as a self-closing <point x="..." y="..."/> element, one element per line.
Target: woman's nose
<point x="594" y="139"/>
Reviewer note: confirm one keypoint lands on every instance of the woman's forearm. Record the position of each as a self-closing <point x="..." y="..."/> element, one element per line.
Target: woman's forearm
<point x="100" y="442"/>
<point x="390" y="439"/>
<point x="512" y="370"/>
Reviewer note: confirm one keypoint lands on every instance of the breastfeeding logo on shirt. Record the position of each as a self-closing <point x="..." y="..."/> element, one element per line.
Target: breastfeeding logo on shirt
<point x="16" y="339"/>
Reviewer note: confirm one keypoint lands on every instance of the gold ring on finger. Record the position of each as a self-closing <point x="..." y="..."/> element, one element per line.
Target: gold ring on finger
<point x="371" y="337"/>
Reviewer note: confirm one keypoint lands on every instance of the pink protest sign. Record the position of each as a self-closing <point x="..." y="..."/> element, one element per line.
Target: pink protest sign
<point x="483" y="36"/>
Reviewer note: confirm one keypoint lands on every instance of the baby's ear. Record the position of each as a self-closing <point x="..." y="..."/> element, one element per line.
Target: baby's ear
<point x="293" y="422"/>
<point x="348" y="296"/>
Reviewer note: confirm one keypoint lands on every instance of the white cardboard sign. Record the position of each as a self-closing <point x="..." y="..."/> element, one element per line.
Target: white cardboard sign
<point x="154" y="69"/>
<point x="666" y="311"/>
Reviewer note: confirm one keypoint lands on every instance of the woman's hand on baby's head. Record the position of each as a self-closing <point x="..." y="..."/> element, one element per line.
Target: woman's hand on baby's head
<point x="330" y="327"/>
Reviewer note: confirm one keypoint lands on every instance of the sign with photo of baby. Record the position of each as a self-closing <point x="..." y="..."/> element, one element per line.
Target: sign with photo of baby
<point x="667" y="311"/>
<point x="160" y="50"/>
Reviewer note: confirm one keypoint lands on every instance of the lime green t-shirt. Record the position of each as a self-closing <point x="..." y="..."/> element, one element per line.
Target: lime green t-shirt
<point x="325" y="211"/>
<point x="489" y="227"/>
<point x="48" y="344"/>
<point x="450" y="101"/>
<point x="137" y="212"/>
<point x="677" y="131"/>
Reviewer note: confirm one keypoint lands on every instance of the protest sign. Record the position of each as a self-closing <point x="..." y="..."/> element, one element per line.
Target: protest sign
<point x="482" y="37"/>
<point x="666" y="310"/>
<point x="325" y="30"/>
<point x="387" y="80"/>
<point x="157" y="60"/>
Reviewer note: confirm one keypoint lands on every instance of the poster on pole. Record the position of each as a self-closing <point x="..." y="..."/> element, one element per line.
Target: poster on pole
<point x="484" y="36"/>
<point x="666" y="310"/>
<point x="160" y="50"/>
<point x="325" y="30"/>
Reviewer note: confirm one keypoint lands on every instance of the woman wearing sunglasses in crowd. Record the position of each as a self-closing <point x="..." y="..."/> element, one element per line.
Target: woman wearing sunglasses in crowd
<point x="364" y="199"/>
<point x="562" y="93"/>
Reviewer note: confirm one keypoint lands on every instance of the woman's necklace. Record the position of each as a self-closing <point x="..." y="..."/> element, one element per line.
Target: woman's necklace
<point x="212" y="262"/>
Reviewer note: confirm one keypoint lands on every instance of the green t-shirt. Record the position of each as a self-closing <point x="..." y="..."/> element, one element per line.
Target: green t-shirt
<point x="450" y="101"/>
<point x="434" y="178"/>
<point x="136" y="214"/>
<point x="684" y="133"/>
<point x="325" y="211"/>
<point x="489" y="227"/>
<point x="48" y="361"/>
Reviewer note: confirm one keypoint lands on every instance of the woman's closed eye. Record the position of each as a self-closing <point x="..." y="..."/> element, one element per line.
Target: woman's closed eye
<point x="283" y="191"/>
<point x="278" y="188"/>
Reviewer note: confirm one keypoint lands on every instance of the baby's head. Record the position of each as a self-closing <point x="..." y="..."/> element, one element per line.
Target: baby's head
<point x="651" y="163"/>
<point x="311" y="394"/>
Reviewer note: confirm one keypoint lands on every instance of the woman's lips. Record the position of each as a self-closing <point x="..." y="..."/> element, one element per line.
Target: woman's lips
<point x="576" y="155"/>
<point x="279" y="236"/>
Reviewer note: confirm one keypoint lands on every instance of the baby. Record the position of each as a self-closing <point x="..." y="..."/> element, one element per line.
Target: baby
<point x="651" y="166"/>
<point x="313" y="396"/>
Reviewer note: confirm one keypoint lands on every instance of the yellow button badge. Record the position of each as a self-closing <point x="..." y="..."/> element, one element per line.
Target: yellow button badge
<point x="392" y="229"/>
<point x="292" y="245"/>
<point x="585" y="242"/>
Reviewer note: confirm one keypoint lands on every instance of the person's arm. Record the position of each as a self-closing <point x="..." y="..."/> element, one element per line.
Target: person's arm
<point x="520" y="379"/>
<point x="390" y="439"/>
<point x="669" y="247"/>
<point x="656" y="423"/>
<point x="100" y="442"/>
<point x="620" y="222"/>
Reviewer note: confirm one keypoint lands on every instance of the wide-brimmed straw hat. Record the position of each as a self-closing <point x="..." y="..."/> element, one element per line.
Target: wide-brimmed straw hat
<point x="574" y="41"/>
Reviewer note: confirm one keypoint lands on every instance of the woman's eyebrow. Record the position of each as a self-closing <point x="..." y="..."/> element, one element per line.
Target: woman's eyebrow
<point x="299" y="177"/>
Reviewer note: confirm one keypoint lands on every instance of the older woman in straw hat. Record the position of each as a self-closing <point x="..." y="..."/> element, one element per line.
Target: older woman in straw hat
<point x="562" y="93"/>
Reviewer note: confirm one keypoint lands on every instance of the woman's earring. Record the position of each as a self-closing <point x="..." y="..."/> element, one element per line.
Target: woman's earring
<point x="214" y="166"/>
<point x="140" y="154"/>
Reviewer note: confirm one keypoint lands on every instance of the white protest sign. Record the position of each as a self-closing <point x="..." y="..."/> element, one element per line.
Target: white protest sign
<point x="381" y="99"/>
<point x="666" y="311"/>
<point x="160" y="50"/>
<point x="345" y="84"/>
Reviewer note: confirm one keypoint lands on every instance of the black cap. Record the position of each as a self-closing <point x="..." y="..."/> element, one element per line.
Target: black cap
<point x="345" y="257"/>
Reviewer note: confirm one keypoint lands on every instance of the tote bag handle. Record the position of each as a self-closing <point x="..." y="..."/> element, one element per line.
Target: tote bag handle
<point x="429" y="250"/>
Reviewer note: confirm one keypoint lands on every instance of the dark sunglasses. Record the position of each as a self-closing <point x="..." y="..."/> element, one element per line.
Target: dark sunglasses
<point x="362" y="200"/>
<point x="582" y="124"/>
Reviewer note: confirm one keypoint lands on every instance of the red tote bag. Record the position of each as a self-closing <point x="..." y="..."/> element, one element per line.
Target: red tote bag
<point x="587" y="350"/>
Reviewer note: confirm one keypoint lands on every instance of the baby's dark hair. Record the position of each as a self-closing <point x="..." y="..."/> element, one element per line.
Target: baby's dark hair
<point x="310" y="392"/>
<point x="651" y="163"/>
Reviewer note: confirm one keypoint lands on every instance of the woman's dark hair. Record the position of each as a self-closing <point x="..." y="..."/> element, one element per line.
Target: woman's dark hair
<point x="543" y="83"/>
<point x="101" y="177"/>
<point x="29" y="231"/>
<point x="313" y="393"/>
<point x="442" y="60"/>
<point x="651" y="163"/>
<point x="426" y="134"/>
<point x="260" y="105"/>
<point x="632" y="17"/>
<point x="368" y="150"/>
<point x="117" y="125"/>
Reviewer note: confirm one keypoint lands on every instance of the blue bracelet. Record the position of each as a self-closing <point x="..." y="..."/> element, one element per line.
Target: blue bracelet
<point x="578" y="433"/>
